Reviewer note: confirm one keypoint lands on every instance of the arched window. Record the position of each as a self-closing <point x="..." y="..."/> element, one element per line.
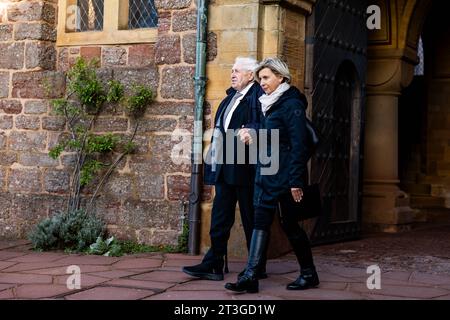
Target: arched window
<point x="420" y="68"/>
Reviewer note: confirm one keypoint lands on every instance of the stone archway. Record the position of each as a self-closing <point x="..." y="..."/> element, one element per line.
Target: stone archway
<point x="392" y="56"/>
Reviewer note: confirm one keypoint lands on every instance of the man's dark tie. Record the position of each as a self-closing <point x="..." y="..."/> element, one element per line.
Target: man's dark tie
<point x="230" y="105"/>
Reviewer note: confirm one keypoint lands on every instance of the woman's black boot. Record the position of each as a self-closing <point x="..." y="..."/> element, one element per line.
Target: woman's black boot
<point x="248" y="282"/>
<point x="308" y="279"/>
<point x="300" y="243"/>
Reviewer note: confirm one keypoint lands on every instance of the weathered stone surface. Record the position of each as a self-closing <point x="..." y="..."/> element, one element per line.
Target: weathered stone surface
<point x="108" y="209"/>
<point x="31" y="11"/>
<point x="178" y="187"/>
<point x="168" y="50"/>
<point x="63" y="59"/>
<point x="184" y="20"/>
<point x="164" y="22"/>
<point x="119" y="186"/>
<point x="4" y="84"/>
<point x="11" y="106"/>
<point x="25" y="180"/>
<point x="2" y="178"/>
<point x="28" y="122"/>
<point x="141" y="143"/>
<point x="11" y="56"/>
<point x="7" y="158"/>
<point x="172" y="4"/>
<point x="141" y="55"/>
<point x="152" y="237"/>
<point x="189" y="47"/>
<point x="171" y="108"/>
<point x="54" y="138"/>
<point x="89" y="53"/>
<point x="156" y="124"/>
<point x="40" y="55"/>
<point x="6" y="31"/>
<point x="122" y="232"/>
<point x="35" y="107"/>
<point x="150" y="186"/>
<point x="6" y="122"/>
<point x="2" y="140"/>
<point x="186" y="123"/>
<point x="177" y="83"/>
<point x="34" y="31"/>
<point x="110" y="124"/>
<point x="114" y="56"/>
<point x="164" y="237"/>
<point x="38" y="84"/>
<point x="148" y="76"/>
<point x="152" y="214"/>
<point x="53" y="123"/>
<point x="27" y="141"/>
<point x="68" y="160"/>
<point x="56" y="181"/>
<point x="160" y="159"/>
<point x="37" y="160"/>
<point x="29" y="208"/>
<point x="211" y="46"/>
<point x="105" y="75"/>
<point x="56" y="204"/>
<point x="5" y="204"/>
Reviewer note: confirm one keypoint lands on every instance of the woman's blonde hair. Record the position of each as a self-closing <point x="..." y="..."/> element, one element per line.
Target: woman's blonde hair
<point x="278" y="67"/>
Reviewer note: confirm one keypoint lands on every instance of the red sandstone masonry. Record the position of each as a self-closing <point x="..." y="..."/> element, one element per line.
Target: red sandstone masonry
<point x="143" y="200"/>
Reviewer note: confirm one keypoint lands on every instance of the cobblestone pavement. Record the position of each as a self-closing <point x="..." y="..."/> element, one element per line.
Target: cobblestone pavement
<point x="414" y="265"/>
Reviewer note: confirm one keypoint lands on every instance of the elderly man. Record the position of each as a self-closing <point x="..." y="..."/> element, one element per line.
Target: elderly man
<point x="233" y="180"/>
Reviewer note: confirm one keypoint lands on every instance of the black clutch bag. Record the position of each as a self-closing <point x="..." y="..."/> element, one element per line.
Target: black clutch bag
<point x="309" y="207"/>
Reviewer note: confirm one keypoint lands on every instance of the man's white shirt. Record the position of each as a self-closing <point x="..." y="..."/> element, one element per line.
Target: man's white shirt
<point x="230" y="114"/>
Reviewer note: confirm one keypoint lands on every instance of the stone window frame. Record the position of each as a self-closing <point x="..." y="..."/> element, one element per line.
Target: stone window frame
<point x="115" y="22"/>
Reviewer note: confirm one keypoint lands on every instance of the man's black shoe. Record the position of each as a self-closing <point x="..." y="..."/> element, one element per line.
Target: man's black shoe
<point x="205" y="271"/>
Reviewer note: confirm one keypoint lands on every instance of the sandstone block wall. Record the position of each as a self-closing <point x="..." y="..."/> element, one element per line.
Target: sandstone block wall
<point x="143" y="200"/>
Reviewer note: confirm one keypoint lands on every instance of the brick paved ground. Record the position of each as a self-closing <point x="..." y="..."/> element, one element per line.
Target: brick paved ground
<point x="414" y="265"/>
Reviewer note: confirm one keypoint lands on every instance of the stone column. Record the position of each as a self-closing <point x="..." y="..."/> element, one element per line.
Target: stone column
<point x="385" y="206"/>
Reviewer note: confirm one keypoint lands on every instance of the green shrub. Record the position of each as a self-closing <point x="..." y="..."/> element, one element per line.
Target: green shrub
<point x="108" y="247"/>
<point x="73" y="231"/>
<point x="46" y="234"/>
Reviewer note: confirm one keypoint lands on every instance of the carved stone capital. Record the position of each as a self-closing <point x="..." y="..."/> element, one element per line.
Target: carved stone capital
<point x="388" y="76"/>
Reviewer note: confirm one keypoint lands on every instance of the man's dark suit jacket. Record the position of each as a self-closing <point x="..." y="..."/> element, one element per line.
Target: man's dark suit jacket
<point x="247" y="114"/>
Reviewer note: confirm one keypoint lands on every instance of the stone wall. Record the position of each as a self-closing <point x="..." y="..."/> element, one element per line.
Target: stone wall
<point x="143" y="199"/>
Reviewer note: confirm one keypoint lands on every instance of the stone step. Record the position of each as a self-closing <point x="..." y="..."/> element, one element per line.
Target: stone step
<point x="416" y="188"/>
<point x="439" y="215"/>
<point x="419" y="201"/>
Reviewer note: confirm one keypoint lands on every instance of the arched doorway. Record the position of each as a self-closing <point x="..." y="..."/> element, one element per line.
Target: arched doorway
<point x="424" y="123"/>
<point x="337" y="43"/>
<point x="346" y="144"/>
<point x="406" y="160"/>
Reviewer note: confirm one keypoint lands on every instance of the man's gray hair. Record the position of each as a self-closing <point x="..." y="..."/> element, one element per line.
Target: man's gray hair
<point x="246" y="63"/>
<point x="278" y="67"/>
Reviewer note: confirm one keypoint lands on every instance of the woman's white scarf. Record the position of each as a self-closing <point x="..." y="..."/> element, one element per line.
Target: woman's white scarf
<point x="267" y="101"/>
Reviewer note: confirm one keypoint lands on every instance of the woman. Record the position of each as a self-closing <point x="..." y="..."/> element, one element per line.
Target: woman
<point x="283" y="107"/>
